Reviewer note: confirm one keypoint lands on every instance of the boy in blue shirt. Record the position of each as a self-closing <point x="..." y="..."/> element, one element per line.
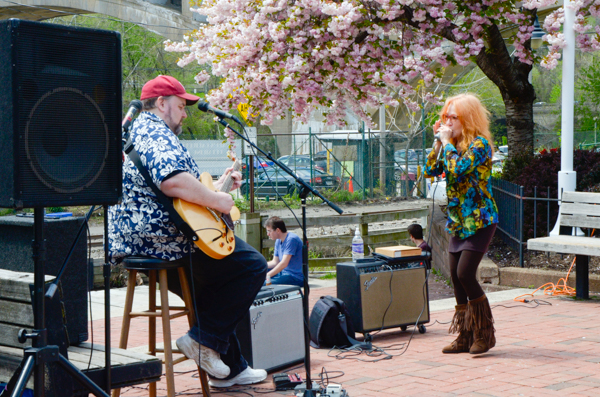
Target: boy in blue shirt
<point x="286" y="265"/>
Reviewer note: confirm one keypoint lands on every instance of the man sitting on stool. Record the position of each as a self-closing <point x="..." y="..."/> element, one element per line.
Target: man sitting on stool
<point x="286" y="265"/>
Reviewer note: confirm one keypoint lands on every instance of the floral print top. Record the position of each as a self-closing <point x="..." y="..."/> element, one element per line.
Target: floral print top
<point x="471" y="205"/>
<point x="139" y="224"/>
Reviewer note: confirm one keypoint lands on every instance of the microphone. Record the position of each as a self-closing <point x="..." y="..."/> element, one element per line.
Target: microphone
<point x="436" y="137"/>
<point x="134" y="107"/>
<point x="205" y="107"/>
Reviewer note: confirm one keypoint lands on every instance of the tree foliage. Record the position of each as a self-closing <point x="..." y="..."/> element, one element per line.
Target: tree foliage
<point x="144" y="58"/>
<point x="279" y="55"/>
<point x="588" y="108"/>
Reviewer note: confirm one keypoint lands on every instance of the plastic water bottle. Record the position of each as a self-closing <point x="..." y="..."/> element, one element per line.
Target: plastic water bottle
<point x="358" y="248"/>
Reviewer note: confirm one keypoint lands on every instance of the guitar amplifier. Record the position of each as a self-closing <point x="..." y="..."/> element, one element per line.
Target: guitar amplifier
<point x="384" y="293"/>
<point x="271" y="335"/>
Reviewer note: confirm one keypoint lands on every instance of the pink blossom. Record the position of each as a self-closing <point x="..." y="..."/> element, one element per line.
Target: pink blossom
<point x="279" y="55"/>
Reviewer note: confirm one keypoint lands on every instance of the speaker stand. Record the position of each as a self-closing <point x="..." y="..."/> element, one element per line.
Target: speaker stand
<point x="36" y="357"/>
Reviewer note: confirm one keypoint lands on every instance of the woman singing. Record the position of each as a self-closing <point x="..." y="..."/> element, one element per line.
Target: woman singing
<point x="466" y="142"/>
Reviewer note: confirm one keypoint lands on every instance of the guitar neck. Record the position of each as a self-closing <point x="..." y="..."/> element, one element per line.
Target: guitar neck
<point x="228" y="183"/>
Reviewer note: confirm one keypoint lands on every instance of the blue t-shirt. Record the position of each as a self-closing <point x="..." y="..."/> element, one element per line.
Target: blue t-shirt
<point x="292" y="245"/>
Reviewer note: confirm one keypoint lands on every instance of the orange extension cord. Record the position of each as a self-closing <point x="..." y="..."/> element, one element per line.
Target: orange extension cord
<point x="550" y="289"/>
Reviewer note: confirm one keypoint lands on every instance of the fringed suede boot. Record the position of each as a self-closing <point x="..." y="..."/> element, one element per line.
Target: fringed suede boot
<point x="462" y="344"/>
<point x="480" y="320"/>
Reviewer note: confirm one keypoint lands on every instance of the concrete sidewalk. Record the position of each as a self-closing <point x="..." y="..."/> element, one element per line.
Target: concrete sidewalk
<point x="549" y="349"/>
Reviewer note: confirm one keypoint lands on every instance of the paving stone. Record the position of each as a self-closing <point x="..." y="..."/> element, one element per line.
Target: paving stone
<point x="546" y="351"/>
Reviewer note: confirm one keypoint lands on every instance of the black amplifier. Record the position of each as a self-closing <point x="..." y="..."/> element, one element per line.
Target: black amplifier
<point x="271" y="335"/>
<point x="16" y="254"/>
<point x="384" y="293"/>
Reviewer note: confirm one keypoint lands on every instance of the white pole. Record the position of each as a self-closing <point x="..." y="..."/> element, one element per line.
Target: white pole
<point x="567" y="178"/>
<point x="382" y="148"/>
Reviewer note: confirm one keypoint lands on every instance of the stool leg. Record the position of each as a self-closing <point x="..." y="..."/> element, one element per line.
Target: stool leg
<point x="152" y="323"/>
<point x="166" y="323"/>
<point x="189" y="304"/>
<point x="126" y="317"/>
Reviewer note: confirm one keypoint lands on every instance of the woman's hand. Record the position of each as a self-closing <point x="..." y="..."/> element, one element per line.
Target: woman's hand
<point x="445" y="134"/>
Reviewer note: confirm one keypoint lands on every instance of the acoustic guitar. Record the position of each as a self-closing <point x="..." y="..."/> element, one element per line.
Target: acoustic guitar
<point x="214" y="229"/>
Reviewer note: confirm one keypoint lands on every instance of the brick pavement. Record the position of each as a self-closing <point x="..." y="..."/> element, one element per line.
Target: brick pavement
<point x="550" y="350"/>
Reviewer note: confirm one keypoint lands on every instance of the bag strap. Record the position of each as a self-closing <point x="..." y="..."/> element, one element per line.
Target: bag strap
<point x="319" y="312"/>
<point x="166" y="201"/>
<point x="344" y="325"/>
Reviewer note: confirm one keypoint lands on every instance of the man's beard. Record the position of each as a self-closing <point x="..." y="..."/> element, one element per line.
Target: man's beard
<point x="178" y="130"/>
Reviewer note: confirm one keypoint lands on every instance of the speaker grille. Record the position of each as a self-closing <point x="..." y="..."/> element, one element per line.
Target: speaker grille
<point x="53" y="144"/>
<point x="67" y="101"/>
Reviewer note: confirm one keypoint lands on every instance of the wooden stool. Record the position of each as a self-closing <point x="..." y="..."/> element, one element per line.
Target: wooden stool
<point x="159" y="267"/>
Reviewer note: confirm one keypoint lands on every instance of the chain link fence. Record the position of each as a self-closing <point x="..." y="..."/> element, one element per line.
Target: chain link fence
<point x="367" y="163"/>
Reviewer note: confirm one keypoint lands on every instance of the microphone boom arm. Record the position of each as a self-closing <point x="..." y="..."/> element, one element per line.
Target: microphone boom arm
<point x="305" y="186"/>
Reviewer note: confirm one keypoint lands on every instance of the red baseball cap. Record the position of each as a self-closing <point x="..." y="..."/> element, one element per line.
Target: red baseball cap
<point x="167" y="86"/>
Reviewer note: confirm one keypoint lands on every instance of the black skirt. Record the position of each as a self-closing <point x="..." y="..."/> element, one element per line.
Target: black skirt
<point x="479" y="242"/>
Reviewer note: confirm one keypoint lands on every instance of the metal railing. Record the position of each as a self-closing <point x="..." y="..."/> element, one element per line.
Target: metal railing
<point x="514" y="207"/>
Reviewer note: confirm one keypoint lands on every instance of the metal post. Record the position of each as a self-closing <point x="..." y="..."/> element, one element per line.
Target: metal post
<point x="311" y="154"/>
<point x="548" y="211"/>
<point x="370" y="163"/>
<point x="423" y="182"/>
<point x="251" y="183"/>
<point x="382" y="143"/>
<point x="567" y="177"/>
<point x="364" y="168"/>
<point x="521" y="226"/>
<point x="534" y="211"/>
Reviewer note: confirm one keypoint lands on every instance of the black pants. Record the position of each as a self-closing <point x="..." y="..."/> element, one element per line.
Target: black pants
<point x="223" y="290"/>
<point x="463" y="270"/>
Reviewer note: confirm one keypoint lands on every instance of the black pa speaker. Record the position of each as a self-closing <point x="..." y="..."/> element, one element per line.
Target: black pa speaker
<point x="16" y="254"/>
<point x="271" y="335"/>
<point x="381" y="294"/>
<point x="60" y="125"/>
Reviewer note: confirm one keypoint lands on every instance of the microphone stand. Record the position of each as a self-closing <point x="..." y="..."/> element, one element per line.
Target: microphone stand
<point x="305" y="388"/>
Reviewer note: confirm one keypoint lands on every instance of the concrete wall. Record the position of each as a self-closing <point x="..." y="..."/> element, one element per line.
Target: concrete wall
<point x="166" y="20"/>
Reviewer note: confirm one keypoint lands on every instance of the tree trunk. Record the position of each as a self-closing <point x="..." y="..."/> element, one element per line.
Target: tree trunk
<point x="519" y="121"/>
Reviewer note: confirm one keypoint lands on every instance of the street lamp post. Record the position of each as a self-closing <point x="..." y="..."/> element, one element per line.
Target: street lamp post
<point x="567" y="177"/>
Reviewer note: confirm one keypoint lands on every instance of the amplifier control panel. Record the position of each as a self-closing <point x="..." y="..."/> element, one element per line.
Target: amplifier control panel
<point x="390" y="267"/>
<point x="276" y="293"/>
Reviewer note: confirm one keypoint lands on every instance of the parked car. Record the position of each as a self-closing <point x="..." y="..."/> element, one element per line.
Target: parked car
<point x="270" y="182"/>
<point x="503" y="149"/>
<point x="259" y="162"/>
<point x="400" y="172"/>
<point x="400" y="169"/>
<point x="498" y="162"/>
<point x="302" y="160"/>
<point x="400" y="156"/>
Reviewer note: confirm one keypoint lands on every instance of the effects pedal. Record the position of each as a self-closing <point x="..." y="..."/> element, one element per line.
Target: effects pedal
<point x="334" y="390"/>
<point x="284" y="381"/>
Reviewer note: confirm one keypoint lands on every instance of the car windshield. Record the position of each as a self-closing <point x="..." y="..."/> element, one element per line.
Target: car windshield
<point x="400" y="155"/>
<point x="273" y="174"/>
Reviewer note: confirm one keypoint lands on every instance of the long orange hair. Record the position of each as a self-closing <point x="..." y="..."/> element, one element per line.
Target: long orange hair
<point x="474" y="118"/>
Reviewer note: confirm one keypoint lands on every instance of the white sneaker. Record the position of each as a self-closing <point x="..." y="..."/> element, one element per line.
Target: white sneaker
<point x="206" y="358"/>
<point x="246" y="377"/>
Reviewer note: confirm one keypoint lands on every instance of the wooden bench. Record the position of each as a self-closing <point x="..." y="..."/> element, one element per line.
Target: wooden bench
<point x="577" y="210"/>
<point x="127" y="367"/>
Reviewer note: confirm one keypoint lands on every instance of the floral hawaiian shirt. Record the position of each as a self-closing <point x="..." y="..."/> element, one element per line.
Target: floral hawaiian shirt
<point x="471" y="205"/>
<point x="139" y="224"/>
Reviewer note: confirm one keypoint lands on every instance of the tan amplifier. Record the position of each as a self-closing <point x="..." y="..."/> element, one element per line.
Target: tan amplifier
<point x="385" y="294"/>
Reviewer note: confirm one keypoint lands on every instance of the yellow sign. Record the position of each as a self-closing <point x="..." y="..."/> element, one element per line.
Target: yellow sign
<point x="243" y="109"/>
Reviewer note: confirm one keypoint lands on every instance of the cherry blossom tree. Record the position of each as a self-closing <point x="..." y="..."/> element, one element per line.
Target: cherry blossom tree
<point x="280" y="55"/>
